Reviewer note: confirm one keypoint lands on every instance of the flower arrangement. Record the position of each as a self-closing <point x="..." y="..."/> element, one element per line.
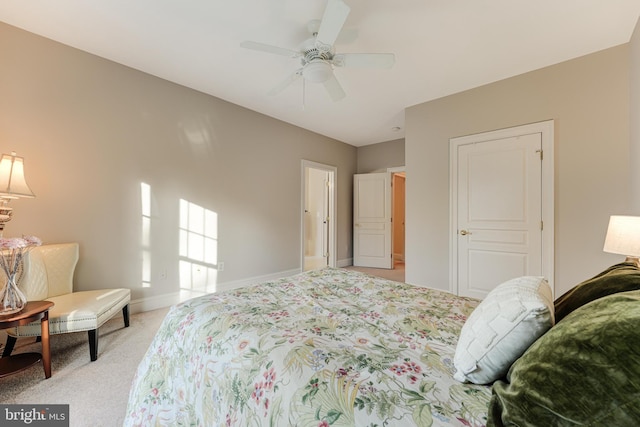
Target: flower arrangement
<point x="12" y="252"/>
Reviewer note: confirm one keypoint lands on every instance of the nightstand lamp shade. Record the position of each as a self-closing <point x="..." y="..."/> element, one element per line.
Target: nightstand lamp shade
<point x="13" y="185"/>
<point x="623" y="237"/>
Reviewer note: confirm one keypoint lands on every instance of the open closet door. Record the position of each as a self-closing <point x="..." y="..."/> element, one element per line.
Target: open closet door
<point x="372" y="220"/>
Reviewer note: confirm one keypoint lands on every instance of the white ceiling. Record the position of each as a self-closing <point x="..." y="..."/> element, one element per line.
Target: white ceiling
<point x="441" y="47"/>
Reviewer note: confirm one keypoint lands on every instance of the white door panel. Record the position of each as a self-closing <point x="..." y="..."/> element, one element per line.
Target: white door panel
<point x="505" y="266"/>
<point x="499" y="212"/>
<point x="371" y="245"/>
<point x="372" y="220"/>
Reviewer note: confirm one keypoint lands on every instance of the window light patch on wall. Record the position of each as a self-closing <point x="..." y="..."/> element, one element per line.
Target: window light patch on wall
<point x="198" y="248"/>
<point x="145" y="237"/>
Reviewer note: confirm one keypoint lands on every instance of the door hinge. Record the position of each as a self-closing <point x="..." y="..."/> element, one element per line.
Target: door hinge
<point x="541" y="225"/>
<point x="541" y="152"/>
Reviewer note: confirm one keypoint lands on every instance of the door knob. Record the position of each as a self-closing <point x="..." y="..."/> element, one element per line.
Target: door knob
<point x="464" y="232"/>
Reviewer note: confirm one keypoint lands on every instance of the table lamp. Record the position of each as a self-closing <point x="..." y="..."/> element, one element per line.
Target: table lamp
<point x="623" y="237"/>
<point x="12" y="185"/>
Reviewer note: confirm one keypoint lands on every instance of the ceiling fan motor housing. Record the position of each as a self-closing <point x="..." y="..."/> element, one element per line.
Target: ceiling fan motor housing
<point x="315" y="62"/>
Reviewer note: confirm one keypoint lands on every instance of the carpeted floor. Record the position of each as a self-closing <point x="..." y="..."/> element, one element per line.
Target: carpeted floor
<point x="97" y="391"/>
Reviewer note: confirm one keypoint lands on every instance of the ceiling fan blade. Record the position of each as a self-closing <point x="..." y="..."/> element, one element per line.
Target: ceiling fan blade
<point x="334" y="89"/>
<point x="364" y="60"/>
<point x="347" y="35"/>
<point x="285" y="83"/>
<point x="333" y="20"/>
<point x="269" y="49"/>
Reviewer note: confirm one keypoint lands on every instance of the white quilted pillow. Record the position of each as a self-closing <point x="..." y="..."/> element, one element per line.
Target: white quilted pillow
<point x="502" y="327"/>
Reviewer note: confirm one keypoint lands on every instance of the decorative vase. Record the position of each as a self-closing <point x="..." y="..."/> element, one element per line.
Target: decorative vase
<point x="12" y="300"/>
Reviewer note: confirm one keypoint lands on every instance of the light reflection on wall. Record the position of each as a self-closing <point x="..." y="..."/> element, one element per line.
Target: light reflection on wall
<point x="145" y="238"/>
<point x="198" y="248"/>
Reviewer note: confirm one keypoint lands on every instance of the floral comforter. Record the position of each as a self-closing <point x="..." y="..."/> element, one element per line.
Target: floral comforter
<point x="332" y="347"/>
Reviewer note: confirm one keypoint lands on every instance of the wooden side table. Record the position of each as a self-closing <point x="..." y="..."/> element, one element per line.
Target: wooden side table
<point x="33" y="311"/>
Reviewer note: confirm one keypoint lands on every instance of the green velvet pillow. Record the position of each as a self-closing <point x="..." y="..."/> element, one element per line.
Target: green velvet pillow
<point x="617" y="278"/>
<point x="584" y="371"/>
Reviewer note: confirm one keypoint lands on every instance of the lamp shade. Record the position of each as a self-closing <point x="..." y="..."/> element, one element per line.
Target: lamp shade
<point x="12" y="182"/>
<point x="623" y="236"/>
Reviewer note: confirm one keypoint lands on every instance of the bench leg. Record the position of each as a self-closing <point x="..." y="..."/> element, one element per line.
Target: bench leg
<point x="8" y="348"/>
<point x="93" y="344"/>
<point x="125" y="315"/>
<point x="93" y="335"/>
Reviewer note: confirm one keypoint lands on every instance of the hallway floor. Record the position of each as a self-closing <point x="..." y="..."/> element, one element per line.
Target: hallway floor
<point x="396" y="274"/>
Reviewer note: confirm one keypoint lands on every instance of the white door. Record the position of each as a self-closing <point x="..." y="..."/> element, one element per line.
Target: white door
<point x="372" y="220"/>
<point x="499" y="220"/>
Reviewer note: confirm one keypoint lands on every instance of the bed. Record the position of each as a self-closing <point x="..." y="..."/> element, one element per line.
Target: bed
<point x="336" y="347"/>
<point x="332" y="347"/>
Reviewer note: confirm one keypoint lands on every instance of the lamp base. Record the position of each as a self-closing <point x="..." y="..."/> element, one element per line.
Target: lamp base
<point x="5" y="214"/>
<point x="634" y="260"/>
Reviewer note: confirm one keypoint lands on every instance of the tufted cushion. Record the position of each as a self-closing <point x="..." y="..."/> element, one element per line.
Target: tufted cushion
<point x="48" y="271"/>
<point x="502" y="327"/>
<point x="33" y="282"/>
<point x="78" y="311"/>
<point x="48" y="275"/>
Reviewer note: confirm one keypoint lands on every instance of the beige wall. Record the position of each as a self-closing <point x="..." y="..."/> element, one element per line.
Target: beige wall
<point x="634" y="119"/>
<point x="91" y="131"/>
<point x="379" y="157"/>
<point x="588" y="98"/>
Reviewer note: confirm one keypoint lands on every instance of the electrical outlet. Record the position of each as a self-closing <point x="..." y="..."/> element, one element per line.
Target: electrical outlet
<point x="163" y="274"/>
<point x="220" y="266"/>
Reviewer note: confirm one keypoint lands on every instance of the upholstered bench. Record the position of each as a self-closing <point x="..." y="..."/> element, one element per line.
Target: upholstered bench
<point x="48" y="275"/>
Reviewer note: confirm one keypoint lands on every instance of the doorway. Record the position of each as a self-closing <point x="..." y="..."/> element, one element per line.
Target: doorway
<point x="318" y="216"/>
<point x="379" y="212"/>
<point x="398" y="186"/>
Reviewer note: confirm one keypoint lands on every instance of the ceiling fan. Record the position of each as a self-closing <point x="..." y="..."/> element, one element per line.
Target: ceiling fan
<point x="317" y="54"/>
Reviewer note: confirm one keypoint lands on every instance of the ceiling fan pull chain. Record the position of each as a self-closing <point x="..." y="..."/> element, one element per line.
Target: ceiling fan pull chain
<point x="304" y="92"/>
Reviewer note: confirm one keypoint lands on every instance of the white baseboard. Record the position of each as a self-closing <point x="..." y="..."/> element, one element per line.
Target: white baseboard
<point x="345" y="262"/>
<point x="166" y="300"/>
<point x="153" y="303"/>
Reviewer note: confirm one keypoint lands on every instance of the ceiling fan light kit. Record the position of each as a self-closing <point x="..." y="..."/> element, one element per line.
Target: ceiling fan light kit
<point x="317" y="54"/>
<point x="317" y="71"/>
